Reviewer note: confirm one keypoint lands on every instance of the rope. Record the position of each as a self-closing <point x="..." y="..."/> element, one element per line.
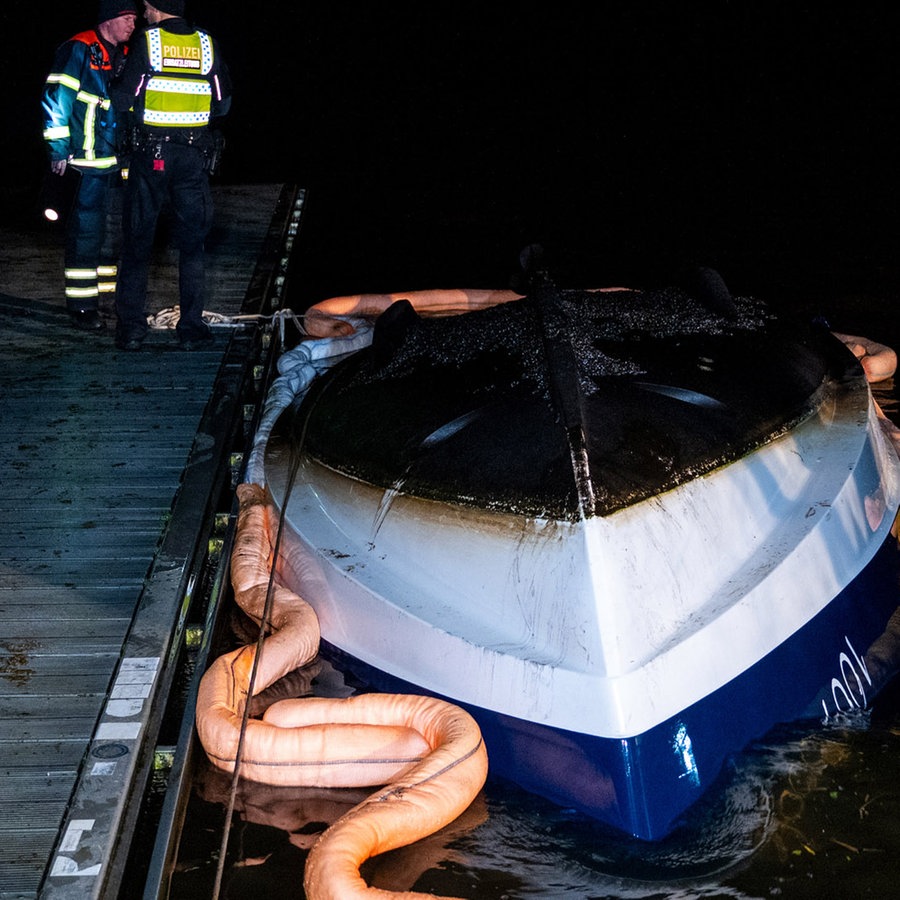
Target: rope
<point x="264" y="631"/>
<point x="167" y="319"/>
<point x="297" y="368"/>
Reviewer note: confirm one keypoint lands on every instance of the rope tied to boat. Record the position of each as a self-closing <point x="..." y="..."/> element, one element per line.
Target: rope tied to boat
<point x="297" y="369"/>
<point x="167" y="319"/>
<point x="429" y="752"/>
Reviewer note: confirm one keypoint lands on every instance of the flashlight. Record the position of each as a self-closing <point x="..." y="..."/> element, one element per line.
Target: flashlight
<point x="58" y="195"/>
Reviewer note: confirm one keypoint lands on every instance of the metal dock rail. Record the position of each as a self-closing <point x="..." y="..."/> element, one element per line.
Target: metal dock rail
<point x="117" y="480"/>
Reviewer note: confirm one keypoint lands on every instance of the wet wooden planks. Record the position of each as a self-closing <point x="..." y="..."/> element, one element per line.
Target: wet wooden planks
<point x="88" y="430"/>
<point x="94" y="449"/>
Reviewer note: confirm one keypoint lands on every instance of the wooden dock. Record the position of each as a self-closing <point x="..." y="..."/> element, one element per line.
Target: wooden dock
<point x="115" y="470"/>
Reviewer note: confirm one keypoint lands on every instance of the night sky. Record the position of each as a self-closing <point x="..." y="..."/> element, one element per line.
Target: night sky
<point x="628" y="139"/>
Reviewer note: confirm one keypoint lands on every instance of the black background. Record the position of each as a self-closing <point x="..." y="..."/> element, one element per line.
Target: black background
<point x="629" y="139"/>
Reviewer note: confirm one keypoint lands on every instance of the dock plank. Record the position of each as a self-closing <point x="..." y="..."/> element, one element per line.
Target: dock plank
<point x="95" y="450"/>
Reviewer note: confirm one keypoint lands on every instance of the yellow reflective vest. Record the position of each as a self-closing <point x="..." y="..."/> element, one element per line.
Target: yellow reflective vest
<point x="179" y="90"/>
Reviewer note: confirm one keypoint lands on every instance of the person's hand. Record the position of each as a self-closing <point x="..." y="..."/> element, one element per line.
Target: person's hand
<point x="58" y="166"/>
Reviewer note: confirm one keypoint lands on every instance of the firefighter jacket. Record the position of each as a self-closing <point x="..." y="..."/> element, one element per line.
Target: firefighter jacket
<point x="174" y="84"/>
<point x="79" y="120"/>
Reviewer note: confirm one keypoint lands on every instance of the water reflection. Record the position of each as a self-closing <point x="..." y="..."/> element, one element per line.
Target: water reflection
<point x="809" y="811"/>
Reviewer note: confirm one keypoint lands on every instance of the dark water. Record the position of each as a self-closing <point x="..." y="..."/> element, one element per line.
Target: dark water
<point x="808" y="812"/>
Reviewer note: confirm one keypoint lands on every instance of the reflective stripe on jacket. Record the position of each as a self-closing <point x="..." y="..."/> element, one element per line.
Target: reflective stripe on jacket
<point x="79" y="121"/>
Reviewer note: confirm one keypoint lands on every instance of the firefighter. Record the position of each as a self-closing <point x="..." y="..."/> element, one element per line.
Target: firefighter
<point x="80" y="133"/>
<point x="175" y="87"/>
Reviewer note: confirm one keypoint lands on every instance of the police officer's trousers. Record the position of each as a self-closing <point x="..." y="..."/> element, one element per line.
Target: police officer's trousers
<point x="173" y="172"/>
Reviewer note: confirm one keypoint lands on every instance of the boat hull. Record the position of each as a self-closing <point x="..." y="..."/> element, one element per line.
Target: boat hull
<point x="718" y="559"/>
<point x="643" y="785"/>
<point x="641" y="781"/>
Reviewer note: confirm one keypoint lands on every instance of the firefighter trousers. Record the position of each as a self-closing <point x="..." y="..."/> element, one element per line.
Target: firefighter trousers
<point x="92" y="241"/>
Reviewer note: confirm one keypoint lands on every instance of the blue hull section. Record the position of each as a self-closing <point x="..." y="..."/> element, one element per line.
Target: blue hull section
<point x="643" y="784"/>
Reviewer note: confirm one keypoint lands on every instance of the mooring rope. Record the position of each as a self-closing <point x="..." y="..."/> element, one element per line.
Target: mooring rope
<point x="276" y="400"/>
<point x="166" y="319"/>
<point x="264" y="630"/>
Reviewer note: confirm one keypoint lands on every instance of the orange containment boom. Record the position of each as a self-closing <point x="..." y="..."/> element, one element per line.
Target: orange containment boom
<point x="428" y="753"/>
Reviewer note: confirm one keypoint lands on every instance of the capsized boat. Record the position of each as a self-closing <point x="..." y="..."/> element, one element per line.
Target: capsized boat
<point x="629" y="531"/>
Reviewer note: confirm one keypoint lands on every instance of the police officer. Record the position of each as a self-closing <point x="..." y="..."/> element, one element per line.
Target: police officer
<point x="174" y="87"/>
<point x="80" y="131"/>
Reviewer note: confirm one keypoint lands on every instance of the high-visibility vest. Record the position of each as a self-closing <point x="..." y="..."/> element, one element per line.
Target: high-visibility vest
<point x="179" y="91"/>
